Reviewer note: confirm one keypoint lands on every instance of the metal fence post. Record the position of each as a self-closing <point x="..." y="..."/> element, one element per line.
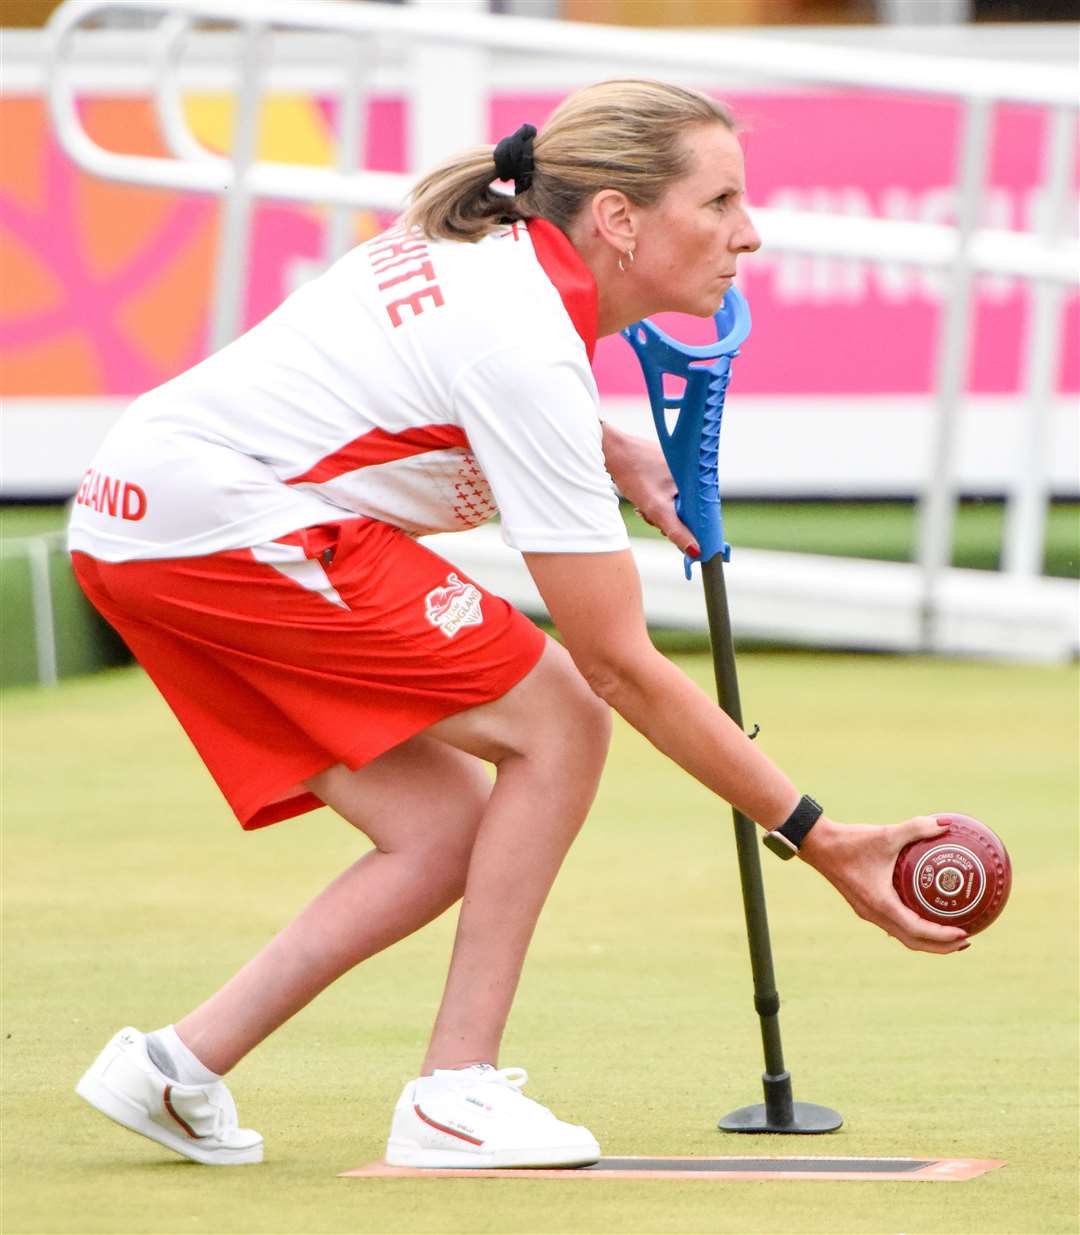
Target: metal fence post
<point x="449" y="98"/>
<point x="339" y="231"/>
<point x="234" y="231"/>
<point x="1025" y="522"/>
<point x="937" y="506"/>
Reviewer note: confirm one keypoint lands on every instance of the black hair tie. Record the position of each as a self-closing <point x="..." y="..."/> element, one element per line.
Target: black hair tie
<point x="514" y="158"/>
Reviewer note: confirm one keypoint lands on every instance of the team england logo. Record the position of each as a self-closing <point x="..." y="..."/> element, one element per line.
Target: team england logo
<point x="453" y="606"/>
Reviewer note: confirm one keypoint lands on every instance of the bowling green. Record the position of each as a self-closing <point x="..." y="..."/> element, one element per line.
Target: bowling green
<point x="129" y="894"/>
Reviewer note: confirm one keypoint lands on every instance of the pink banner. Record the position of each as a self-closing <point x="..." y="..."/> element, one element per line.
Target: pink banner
<point x="106" y="287"/>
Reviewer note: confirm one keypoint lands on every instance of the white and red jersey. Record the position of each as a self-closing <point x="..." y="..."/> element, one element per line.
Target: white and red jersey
<point x="426" y="384"/>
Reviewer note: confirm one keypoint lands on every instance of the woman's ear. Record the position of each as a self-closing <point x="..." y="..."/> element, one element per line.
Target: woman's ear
<point x="614" y="219"/>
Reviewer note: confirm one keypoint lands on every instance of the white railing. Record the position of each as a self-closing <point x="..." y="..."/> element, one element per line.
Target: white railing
<point x="448" y="91"/>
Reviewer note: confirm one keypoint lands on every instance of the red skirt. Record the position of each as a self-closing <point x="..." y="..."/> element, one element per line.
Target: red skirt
<point x="329" y="645"/>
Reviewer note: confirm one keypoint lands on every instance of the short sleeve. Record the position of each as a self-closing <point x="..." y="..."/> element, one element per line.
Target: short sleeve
<point x="532" y="423"/>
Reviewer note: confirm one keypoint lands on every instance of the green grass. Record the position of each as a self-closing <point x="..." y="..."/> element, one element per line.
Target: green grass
<point x="871" y="529"/>
<point x="129" y="894"/>
<point x="18" y="521"/>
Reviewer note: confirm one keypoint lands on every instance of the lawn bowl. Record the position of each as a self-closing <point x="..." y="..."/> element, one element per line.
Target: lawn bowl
<point x="960" y="877"/>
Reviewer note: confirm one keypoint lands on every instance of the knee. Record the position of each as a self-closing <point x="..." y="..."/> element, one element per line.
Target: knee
<point x="442" y="870"/>
<point x="438" y="851"/>
<point x="448" y="842"/>
<point x="444" y="839"/>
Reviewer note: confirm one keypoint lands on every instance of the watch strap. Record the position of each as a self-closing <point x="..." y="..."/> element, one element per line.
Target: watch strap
<point x="785" y="840"/>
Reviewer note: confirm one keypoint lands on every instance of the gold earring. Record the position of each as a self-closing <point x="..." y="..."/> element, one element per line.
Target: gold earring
<point x="629" y="254"/>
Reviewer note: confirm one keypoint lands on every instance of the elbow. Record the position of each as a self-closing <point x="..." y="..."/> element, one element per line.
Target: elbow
<point x="618" y="669"/>
<point x="604" y="680"/>
<point x="609" y="678"/>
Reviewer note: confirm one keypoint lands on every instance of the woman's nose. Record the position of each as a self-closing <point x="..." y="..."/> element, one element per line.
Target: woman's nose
<point x="745" y="239"/>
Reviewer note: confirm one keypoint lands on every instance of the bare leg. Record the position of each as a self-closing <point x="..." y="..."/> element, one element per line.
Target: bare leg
<point x="548" y="742"/>
<point x="420" y="803"/>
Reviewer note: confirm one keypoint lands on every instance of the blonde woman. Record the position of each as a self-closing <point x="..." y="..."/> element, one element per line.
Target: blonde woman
<point x="252" y="530"/>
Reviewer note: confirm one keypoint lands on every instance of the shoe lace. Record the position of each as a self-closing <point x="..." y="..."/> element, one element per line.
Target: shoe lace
<point x="508" y="1083"/>
<point x="509" y="1078"/>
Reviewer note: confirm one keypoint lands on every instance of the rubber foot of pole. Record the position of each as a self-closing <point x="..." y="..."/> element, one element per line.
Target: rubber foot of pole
<point x="807" y="1119"/>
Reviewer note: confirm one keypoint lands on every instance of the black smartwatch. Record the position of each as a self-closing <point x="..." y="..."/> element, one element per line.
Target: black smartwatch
<point x="785" y="840"/>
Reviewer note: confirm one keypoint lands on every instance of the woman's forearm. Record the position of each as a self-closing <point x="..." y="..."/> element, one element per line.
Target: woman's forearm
<point x="681" y="721"/>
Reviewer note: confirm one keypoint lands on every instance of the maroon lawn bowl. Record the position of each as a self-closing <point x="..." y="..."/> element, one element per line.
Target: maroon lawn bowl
<point x="960" y="877"/>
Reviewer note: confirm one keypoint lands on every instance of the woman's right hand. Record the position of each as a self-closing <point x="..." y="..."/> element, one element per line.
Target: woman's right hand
<point x="640" y="472"/>
<point x="858" y="860"/>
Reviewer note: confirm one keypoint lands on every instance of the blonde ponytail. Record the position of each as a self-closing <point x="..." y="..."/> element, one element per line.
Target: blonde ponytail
<point x="617" y="134"/>
<point x="455" y="201"/>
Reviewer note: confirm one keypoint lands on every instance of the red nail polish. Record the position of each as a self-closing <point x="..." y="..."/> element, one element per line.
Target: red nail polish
<point x="693" y="551"/>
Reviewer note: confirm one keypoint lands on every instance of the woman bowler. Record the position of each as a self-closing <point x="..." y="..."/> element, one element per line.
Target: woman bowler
<point x="252" y="529"/>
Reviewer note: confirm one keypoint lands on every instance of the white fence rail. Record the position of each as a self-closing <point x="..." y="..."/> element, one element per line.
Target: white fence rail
<point x="449" y="91"/>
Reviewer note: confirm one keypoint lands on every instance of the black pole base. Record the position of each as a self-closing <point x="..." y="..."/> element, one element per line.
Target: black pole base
<point x="807" y="1119"/>
<point x="779" y="1113"/>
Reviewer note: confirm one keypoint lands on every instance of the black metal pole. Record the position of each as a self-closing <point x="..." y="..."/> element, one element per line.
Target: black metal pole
<point x="780" y="1113"/>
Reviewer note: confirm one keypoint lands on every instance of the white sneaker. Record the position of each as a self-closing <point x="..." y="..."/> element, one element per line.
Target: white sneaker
<point x="478" y="1117"/>
<point x="198" y="1121"/>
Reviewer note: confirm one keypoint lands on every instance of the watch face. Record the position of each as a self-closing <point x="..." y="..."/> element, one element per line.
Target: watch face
<point x="779" y="844"/>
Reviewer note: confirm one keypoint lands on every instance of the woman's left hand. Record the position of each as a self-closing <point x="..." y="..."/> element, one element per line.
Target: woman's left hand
<point x="858" y="860"/>
<point x="641" y="474"/>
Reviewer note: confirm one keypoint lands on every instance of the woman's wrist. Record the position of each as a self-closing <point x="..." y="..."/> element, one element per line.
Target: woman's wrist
<point x="786" y="838"/>
<point x="819" y="840"/>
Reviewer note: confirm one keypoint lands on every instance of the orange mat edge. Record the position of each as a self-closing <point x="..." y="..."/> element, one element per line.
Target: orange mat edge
<point x="936" y="1170"/>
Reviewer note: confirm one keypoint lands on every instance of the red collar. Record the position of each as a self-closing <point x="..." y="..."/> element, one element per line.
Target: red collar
<point x="573" y="280"/>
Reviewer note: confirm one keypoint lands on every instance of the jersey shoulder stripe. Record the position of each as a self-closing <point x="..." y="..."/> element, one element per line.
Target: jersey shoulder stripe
<point x="381" y="446"/>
